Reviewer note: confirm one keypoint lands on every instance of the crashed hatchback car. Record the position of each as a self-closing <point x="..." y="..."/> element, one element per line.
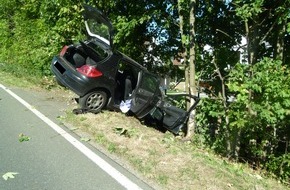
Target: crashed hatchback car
<point x="105" y="78"/>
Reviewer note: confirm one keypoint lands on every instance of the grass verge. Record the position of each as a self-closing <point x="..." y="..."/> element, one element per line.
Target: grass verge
<point x="160" y="157"/>
<point x="164" y="158"/>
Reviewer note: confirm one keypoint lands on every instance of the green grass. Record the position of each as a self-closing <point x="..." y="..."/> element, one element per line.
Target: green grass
<point x="9" y="79"/>
<point x="163" y="179"/>
<point x="19" y="78"/>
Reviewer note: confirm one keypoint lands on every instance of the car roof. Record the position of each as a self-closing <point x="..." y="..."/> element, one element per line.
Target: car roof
<point x="133" y="61"/>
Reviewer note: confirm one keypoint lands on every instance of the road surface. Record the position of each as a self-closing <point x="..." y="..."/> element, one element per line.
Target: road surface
<point x="50" y="157"/>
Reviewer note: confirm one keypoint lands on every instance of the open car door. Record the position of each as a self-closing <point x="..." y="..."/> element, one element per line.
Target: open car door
<point x="146" y="94"/>
<point x="98" y="25"/>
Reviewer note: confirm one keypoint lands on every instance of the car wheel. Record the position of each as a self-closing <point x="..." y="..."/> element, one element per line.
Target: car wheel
<point x="93" y="101"/>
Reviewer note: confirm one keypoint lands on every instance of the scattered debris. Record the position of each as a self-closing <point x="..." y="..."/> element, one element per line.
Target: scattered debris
<point x="23" y="137"/>
<point x="125" y="106"/>
<point x="122" y="132"/>
<point x="85" y="139"/>
<point x="74" y="128"/>
<point x="78" y="111"/>
<point x="9" y="175"/>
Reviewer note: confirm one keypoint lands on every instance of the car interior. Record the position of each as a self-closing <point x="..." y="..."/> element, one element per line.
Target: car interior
<point x="126" y="80"/>
<point x="82" y="54"/>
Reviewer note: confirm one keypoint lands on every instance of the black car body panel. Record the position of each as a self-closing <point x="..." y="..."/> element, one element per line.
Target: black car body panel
<point x="67" y="74"/>
<point x="103" y="77"/>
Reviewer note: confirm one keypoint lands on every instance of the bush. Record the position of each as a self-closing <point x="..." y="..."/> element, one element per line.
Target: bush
<point x="35" y="31"/>
<point x="280" y="166"/>
<point x="254" y="127"/>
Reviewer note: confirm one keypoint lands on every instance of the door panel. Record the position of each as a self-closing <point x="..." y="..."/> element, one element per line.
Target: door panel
<point x="145" y="94"/>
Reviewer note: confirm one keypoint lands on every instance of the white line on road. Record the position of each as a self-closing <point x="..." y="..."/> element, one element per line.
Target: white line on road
<point x="114" y="173"/>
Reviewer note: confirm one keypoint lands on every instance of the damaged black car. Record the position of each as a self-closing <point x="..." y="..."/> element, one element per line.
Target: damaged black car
<point x="105" y="78"/>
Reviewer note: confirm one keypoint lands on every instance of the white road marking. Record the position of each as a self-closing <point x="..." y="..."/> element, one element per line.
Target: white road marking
<point x="114" y="173"/>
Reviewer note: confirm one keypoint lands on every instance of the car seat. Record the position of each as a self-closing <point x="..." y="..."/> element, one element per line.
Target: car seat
<point x="78" y="60"/>
<point x="128" y="88"/>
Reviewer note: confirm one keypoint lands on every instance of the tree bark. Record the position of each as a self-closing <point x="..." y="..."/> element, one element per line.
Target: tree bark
<point x="278" y="47"/>
<point x="185" y="53"/>
<point x="192" y="84"/>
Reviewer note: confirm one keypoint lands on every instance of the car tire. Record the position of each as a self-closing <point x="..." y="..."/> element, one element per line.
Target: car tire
<point x="93" y="101"/>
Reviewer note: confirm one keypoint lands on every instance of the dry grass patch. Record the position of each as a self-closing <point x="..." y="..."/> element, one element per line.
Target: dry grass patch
<point x="164" y="158"/>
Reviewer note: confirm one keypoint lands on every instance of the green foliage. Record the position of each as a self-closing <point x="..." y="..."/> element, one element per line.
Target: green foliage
<point x="33" y="32"/>
<point x="268" y="86"/>
<point x="259" y="111"/>
<point x="280" y="166"/>
<point x="249" y="9"/>
<point x="23" y="137"/>
<point x="210" y="124"/>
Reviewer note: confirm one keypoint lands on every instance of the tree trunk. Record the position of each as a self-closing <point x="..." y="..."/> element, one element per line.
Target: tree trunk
<point x="251" y="43"/>
<point x="187" y="85"/>
<point x="278" y="47"/>
<point x="192" y="85"/>
<point x="185" y="53"/>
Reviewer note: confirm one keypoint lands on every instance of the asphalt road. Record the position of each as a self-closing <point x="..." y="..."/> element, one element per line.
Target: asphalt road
<point x="52" y="158"/>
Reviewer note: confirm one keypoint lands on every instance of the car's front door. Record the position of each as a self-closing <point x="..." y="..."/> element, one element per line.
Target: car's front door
<point x="145" y="95"/>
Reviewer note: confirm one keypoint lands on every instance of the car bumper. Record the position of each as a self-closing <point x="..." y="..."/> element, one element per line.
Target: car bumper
<point x="68" y="76"/>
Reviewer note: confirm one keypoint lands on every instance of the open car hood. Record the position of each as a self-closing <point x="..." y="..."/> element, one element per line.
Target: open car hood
<point x="98" y="25"/>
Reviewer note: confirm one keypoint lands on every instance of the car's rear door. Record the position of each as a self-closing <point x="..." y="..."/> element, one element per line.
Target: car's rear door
<point x="146" y="94"/>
